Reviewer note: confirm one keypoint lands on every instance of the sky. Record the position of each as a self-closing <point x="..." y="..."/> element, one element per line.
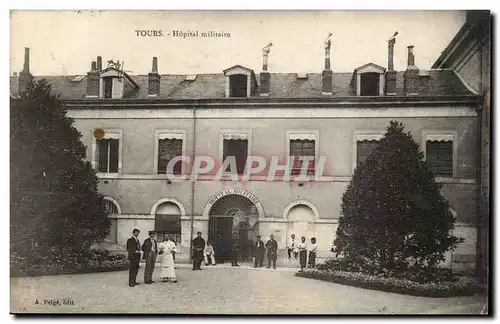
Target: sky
<point x="65" y="42"/>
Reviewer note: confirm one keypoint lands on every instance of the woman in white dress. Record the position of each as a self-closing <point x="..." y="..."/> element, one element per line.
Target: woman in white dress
<point x="167" y="250"/>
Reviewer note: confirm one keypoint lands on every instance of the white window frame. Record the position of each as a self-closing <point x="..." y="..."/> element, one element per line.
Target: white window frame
<point x="449" y="134"/>
<point x="118" y="84"/>
<point x="108" y="134"/>
<point x="370" y="68"/>
<point x="309" y="132"/>
<point x="362" y="135"/>
<point x="238" y="70"/>
<point x="169" y="133"/>
<point x="235" y="132"/>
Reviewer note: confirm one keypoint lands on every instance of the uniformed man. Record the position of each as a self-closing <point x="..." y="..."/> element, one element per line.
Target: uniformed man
<point x="272" y="252"/>
<point x="198" y="247"/>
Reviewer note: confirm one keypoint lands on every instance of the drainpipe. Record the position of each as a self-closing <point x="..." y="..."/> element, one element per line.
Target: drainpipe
<point x="479" y="210"/>
<point x="192" y="183"/>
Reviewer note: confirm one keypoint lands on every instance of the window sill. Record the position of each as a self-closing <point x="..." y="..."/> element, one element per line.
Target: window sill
<point x="103" y="175"/>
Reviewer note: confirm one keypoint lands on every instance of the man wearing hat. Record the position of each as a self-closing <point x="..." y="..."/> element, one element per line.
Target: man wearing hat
<point x="134" y="257"/>
<point x="150" y="250"/>
<point x="198" y="247"/>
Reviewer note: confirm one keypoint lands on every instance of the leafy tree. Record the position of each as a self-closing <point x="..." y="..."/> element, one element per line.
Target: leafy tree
<point x="394" y="217"/>
<point x="54" y="203"/>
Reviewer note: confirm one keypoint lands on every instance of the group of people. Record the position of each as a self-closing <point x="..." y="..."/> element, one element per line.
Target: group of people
<point x="149" y="250"/>
<point x="205" y="252"/>
<point x="202" y="251"/>
<point x="300" y="251"/>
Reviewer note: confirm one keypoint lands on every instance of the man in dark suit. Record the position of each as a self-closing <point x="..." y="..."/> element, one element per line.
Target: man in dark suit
<point x="235" y="250"/>
<point x="259" y="251"/>
<point x="198" y="247"/>
<point x="134" y="256"/>
<point x="149" y="249"/>
<point x="272" y="252"/>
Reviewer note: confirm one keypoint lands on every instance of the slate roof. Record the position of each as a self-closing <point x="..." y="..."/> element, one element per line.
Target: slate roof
<point x="283" y="85"/>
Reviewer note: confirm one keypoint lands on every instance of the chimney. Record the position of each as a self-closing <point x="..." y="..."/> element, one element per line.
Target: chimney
<point x="25" y="77"/>
<point x="99" y="63"/>
<point x="327" y="75"/>
<point x="154" y="80"/>
<point x="411" y="79"/>
<point x="265" y="76"/>
<point x="390" y="74"/>
<point x="93" y="81"/>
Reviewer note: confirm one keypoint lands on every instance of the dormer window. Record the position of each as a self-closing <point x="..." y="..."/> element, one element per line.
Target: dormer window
<point x="368" y="80"/>
<point x="240" y="82"/>
<point x="238" y="85"/>
<point x="115" y="84"/>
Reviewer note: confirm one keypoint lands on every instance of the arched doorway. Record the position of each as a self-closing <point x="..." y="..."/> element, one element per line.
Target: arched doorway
<point x="168" y="221"/>
<point x="231" y="220"/>
<point x="300" y="221"/>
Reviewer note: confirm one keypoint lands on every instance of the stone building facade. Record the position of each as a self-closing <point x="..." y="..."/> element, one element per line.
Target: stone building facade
<point x="469" y="55"/>
<point x="133" y="125"/>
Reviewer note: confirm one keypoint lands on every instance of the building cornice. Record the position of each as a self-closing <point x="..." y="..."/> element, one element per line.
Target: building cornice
<point x="257" y="102"/>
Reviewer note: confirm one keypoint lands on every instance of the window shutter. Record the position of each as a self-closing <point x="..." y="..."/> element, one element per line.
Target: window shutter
<point x="102" y="156"/>
<point x="113" y="155"/>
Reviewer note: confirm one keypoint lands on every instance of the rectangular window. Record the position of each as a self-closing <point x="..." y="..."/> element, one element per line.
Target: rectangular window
<point x="363" y="149"/>
<point x="237" y="148"/>
<point x="107" y="155"/>
<point x="439" y="156"/>
<point x="108" y="87"/>
<point x="300" y="148"/>
<point x="169" y="148"/>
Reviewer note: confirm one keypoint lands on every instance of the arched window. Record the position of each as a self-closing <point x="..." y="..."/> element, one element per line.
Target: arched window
<point x="113" y="209"/>
<point x="168" y="221"/>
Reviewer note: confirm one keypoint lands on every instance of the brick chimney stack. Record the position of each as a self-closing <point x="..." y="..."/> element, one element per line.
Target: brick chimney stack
<point x="25" y="77"/>
<point x="327" y="75"/>
<point x="93" y="81"/>
<point x="99" y="63"/>
<point x="154" y="80"/>
<point x="265" y="76"/>
<point x="411" y="79"/>
<point x="390" y="74"/>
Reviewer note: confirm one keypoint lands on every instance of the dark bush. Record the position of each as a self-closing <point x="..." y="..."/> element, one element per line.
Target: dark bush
<point x="68" y="262"/>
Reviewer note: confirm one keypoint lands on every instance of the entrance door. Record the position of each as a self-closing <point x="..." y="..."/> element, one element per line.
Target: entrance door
<point x="220" y="234"/>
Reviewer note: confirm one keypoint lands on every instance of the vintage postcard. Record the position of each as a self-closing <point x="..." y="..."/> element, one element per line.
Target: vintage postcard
<point x="249" y="162"/>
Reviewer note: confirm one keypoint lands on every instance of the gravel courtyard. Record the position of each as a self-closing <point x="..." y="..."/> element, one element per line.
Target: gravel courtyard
<point x="218" y="290"/>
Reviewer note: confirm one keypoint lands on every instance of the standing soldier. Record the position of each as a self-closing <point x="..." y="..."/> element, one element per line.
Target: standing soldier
<point x="198" y="247"/>
<point x="235" y="250"/>
<point x="259" y="252"/>
<point x="272" y="252"/>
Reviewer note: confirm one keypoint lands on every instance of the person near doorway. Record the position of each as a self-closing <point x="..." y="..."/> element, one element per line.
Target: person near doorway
<point x="167" y="251"/>
<point x="312" y="248"/>
<point x="259" y="251"/>
<point x="209" y="254"/>
<point x="134" y="257"/>
<point x="302" y="247"/>
<point x="149" y="249"/>
<point x="198" y="247"/>
<point x="235" y="250"/>
<point x="292" y="247"/>
<point x="272" y="252"/>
